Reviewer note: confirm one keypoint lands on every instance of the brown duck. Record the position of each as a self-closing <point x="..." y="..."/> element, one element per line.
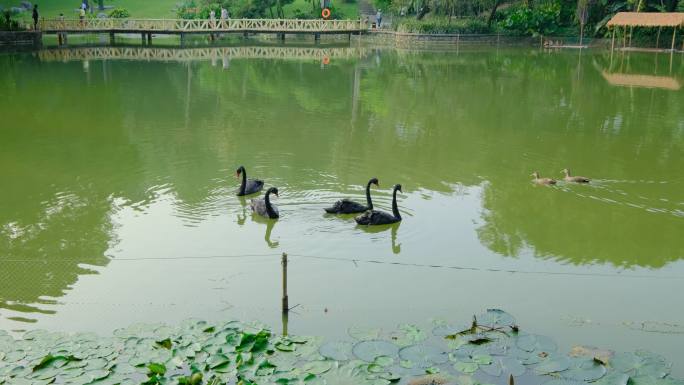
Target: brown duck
<point x="538" y="180"/>
<point x="574" y="179"/>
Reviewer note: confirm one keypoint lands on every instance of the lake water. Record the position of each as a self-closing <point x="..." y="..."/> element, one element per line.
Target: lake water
<point x="118" y="189"/>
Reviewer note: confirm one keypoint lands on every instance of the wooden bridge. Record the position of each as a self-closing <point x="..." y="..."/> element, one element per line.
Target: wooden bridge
<point x="181" y="27"/>
<point x="197" y="54"/>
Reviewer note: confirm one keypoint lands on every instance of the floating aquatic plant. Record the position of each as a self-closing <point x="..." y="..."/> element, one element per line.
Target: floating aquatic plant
<point x="490" y="350"/>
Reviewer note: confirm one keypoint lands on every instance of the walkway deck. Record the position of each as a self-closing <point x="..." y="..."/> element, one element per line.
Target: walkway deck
<point x="203" y="26"/>
<point x="194" y="54"/>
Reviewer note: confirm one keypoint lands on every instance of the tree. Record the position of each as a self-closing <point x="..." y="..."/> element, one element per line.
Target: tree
<point x="582" y="13"/>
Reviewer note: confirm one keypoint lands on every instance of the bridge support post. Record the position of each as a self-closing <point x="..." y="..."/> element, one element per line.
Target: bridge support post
<point x="245" y="35"/>
<point x="111" y="38"/>
<point x="142" y="36"/>
<point x="281" y="36"/>
<point x="182" y="39"/>
<point x="149" y="39"/>
<point x="317" y="37"/>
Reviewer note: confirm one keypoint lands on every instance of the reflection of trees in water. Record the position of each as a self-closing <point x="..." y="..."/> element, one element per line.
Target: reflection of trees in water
<point x="564" y="226"/>
<point x="431" y="120"/>
<point x="44" y="258"/>
<point x="491" y="125"/>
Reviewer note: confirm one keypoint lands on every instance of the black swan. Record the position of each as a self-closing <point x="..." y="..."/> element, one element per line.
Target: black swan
<point x="263" y="206"/>
<point x="375" y="217"/>
<point x="346" y="206"/>
<point x="575" y="179"/>
<point x="539" y="180"/>
<point x="248" y="186"/>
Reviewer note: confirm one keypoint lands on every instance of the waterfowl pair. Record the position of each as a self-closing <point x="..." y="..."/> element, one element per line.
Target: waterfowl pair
<point x="568" y="178"/>
<point x="261" y="206"/>
<point x="369" y="216"/>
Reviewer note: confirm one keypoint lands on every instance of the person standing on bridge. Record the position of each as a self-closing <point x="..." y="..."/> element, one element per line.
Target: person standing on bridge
<point x="35" y="17"/>
<point x="224" y="17"/>
<point x="378" y="17"/>
<point x="81" y="15"/>
<point x="212" y="19"/>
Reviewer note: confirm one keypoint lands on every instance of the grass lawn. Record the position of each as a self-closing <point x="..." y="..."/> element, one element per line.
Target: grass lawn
<point x="157" y="9"/>
<point x="349" y="10"/>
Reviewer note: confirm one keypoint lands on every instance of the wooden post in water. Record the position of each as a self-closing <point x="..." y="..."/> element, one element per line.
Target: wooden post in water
<point x="284" y="319"/>
<point x="658" y="37"/>
<point x="285" y="304"/>
<point x="674" y="35"/>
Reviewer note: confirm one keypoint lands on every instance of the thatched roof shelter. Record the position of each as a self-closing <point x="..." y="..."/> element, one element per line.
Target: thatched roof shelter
<point x="643" y="81"/>
<point x="672" y="20"/>
<point x="647" y="19"/>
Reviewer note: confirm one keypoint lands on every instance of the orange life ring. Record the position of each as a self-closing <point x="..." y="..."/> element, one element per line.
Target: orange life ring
<point x="325" y="13"/>
<point x="326" y="60"/>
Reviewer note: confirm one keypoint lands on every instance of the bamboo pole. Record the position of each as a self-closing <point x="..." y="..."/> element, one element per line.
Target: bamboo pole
<point x="612" y="42"/>
<point x="285" y="305"/>
<point x="624" y="37"/>
<point x="674" y="35"/>
<point x="658" y="37"/>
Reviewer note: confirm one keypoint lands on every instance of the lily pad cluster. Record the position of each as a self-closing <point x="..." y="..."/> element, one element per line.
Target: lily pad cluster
<point x="489" y="350"/>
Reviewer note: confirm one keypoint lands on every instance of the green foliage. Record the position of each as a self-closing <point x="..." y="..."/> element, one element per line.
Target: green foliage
<point x="541" y="19"/>
<point x="443" y="25"/>
<point x="7" y="23"/>
<point x="251" y="9"/>
<point x="119" y="13"/>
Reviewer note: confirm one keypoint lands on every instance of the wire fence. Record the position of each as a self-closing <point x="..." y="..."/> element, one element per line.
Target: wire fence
<point x="356" y="261"/>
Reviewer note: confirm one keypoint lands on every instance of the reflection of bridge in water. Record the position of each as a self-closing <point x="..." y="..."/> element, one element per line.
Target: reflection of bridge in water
<point x="198" y="54"/>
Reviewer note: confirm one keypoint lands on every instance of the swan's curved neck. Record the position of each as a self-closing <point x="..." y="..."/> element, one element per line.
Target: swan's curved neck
<point x="243" y="184"/>
<point x="269" y="208"/>
<point x="395" y="209"/>
<point x="369" y="203"/>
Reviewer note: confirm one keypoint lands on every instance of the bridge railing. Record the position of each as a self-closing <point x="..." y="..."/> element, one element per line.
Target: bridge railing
<point x="194" y="54"/>
<point x="201" y="25"/>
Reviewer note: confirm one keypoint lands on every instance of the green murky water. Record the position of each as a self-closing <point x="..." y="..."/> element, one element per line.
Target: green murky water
<point x="117" y="202"/>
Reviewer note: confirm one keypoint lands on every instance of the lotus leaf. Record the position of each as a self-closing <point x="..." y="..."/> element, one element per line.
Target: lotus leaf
<point x="504" y="365"/>
<point x="536" y="343"/>
<point x="584" y="369"/>
<point x="317" y="367"/>
<point x="641" y="363"/>
<point x="495" y="318"/>
<point x="340" y="351"/>
<point x="423" y="355"/>
<point x="553" y="365"/>
<point x="466" y="367"/>
<point x="408" y="335"/>
<point x="370" y="350"/>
